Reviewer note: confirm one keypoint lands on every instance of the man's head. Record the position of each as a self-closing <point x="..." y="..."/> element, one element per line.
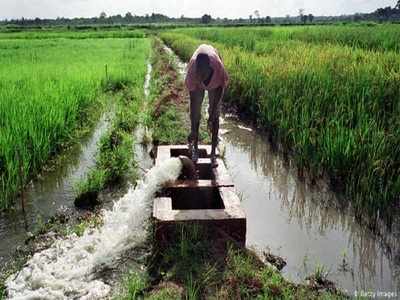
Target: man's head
<point x="203" y="67"/>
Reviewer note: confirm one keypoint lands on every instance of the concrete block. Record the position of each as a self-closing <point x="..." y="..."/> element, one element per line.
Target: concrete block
<point x="210" y="201"/>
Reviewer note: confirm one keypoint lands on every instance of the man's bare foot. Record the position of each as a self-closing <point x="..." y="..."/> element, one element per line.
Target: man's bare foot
<point x="190" y="146"/>
<point x="195" y="155"/>
<point x="188" y="168"/>
<point x="214" y="162"/>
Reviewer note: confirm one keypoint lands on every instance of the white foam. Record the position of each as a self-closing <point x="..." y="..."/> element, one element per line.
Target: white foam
<point x="67" y="269"/>
<point x="245" y="128"/>
<point x="147" y="80"/>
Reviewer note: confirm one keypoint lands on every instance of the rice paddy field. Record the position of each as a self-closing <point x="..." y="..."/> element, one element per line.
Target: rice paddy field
<point x="71" y="34"/>
<point x="50" y="83"/>
<point x="330" y="94"/>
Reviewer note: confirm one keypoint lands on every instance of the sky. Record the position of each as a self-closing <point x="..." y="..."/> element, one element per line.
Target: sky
<point x="175" y="8"/>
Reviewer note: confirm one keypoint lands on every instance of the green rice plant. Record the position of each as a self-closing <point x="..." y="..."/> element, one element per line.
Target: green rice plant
<point x="335" y="107"/>
<point x="321" y="273"/>
<point x="380" y="38"/>
<point x="86" y="34"/>
<point x="47" y="88"/>
<point x="133" y="285"/>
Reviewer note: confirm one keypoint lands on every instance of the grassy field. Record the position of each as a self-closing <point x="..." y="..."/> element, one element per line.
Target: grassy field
<point x="331" y="94"/>
<point x="47" y="88"/>
<point x="71" y="34"/>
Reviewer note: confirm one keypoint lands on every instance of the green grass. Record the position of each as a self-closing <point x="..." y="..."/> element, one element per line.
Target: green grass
<point x="115" y="158"/>
<point x="47" y="88"/>
<point x="193" y="267"/>
<point x="113" y="164"/>
<point x="336" y="107"/>
<point x="133" y="286"/>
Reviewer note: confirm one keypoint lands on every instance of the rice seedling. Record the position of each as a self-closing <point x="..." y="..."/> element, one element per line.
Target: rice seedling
<point x="47" y="88"/>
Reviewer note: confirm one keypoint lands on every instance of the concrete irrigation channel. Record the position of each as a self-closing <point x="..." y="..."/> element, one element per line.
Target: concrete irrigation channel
<point x="210" y="200"/>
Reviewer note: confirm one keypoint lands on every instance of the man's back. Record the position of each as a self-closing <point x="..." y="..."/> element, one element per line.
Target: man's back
<point x="219" y="77"/>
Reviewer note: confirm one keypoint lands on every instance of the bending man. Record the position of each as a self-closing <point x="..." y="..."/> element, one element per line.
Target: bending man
<point x="206" y="71"/>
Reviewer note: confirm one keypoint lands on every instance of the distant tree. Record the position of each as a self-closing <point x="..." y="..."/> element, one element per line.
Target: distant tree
<point x="398" y="5"/>
<point x="257" y="14"/>
<point x="301" y="12"/>
<point x="287" y="18"/>
<point x="251" y="18"/>
<point x="357" y="18"/>
<point x="302" y="16"/>
<point x="310" y="18"/>
<point x="103" y="15"/>
<point x="117" y="19"/>
<point x="384" y="13"/>
<point x="268" y="20"/>
<point x="206" y="19"/>
<point x="128" y="17"/>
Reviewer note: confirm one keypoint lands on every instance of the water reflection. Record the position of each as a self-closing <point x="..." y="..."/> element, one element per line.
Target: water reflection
<point x="306" y="223"/>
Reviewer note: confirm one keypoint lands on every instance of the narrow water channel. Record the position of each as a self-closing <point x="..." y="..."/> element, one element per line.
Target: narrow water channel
<point x="52" y="192"/>
<point x="304" y="224"/>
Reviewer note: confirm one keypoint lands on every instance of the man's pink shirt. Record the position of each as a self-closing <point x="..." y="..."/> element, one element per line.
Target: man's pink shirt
<point x="219" y="78"/>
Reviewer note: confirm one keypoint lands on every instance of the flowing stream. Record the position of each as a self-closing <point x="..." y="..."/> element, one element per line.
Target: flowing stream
<point x="304" y="224"/>
<point x="67" y="270"/>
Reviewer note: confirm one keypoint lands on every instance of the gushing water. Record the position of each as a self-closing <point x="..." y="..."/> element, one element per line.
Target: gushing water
<point x="67" y="269"/>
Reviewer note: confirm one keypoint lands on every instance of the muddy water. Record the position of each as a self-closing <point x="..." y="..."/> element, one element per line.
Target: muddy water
<point x="52" y="192"/>
<point x="304" y="224"/>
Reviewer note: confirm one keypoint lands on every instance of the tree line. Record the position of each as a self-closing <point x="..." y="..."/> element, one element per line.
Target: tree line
<point x="381" y="14"/>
